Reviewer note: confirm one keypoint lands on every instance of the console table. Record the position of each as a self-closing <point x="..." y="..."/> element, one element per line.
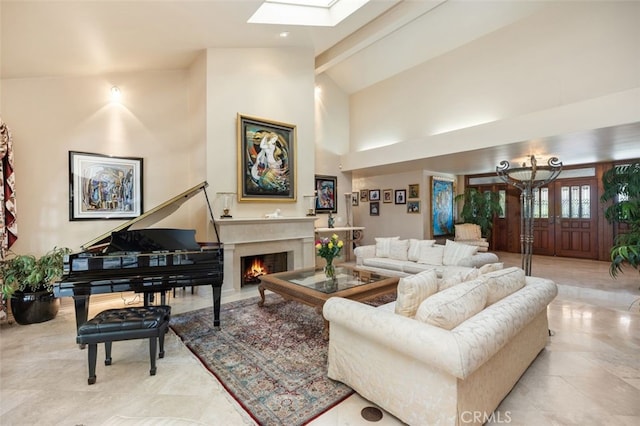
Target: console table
<point x="352" y="235"/>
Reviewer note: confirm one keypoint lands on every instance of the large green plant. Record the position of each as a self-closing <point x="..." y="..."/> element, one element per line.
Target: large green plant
<point x="622" y="187"/>
<point x="480" y="208"/>
<point x="26" y="272"/>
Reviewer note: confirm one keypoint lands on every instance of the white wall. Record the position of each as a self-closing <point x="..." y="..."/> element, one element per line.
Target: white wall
<point x="51" y="116"/>
<point x="394" y="220"/>
<point x="332" y="141"/>
<point x="197" y="116"/>
<point x="273" y="84"/>
<point x="575" y="55"/>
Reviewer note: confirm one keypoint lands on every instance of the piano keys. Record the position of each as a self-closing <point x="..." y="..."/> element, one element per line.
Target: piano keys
<point x="147" y="260"/>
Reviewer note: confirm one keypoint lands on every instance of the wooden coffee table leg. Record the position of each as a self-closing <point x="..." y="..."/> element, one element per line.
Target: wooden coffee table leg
<point x="261" y="290"/>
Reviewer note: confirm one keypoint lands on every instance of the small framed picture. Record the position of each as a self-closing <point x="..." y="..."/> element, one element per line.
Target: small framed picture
<point x="326" y="190"/>
<point x="355" y="198"/>
<point x="364" y="195"/>
<point x="413" y="206"/>
<point x="374" y="195"/>
<point x="387" y="196"/>
<point x="414" y="191"/>
<point x="401" y="196"/>
<point x="374" y="208"/>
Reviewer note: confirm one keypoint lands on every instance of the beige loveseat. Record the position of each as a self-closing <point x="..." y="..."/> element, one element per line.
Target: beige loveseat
<point x="443" y="357"/>
<point x="396" y="257"/>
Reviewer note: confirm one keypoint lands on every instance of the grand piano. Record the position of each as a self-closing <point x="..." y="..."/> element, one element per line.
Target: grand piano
<point x="134" y="257"/>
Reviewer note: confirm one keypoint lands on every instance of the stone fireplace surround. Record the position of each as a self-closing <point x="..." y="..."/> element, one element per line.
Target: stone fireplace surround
<point x="253" y="236"/>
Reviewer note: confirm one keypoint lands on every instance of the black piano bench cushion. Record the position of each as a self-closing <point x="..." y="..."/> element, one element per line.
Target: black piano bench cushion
<point x="143" y="322"/>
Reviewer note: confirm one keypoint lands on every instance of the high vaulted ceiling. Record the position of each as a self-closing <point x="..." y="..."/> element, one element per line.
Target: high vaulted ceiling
<point x="71" y="38"/>
<point x="56" y="38"/>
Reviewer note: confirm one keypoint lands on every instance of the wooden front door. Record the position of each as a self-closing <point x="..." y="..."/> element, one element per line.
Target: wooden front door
<point x="576" y="220"/>
<point x="565" y="219"/>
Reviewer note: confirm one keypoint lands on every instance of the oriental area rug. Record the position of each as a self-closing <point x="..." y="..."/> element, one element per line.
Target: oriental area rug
<point x="271" y="359"/>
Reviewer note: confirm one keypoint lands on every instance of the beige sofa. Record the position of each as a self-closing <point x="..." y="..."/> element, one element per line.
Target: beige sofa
<point x="395" y="257"/>
<point x="443" y="357"/>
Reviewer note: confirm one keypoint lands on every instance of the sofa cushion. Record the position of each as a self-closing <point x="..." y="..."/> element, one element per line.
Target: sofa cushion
<point x="479" y="259"/>
<point x="491" y="267"/>
<point x="398" y="249"/>
<point x="383" y="245"/>
<point x="431" y="255"/>
<point x="454" y="305"/>
<point x="457" y="252"/>
<point x="412" y="290"/>
<point x="415" y="268"/>
<point x="384" y="263"/>
<point x="413" y="253"/>
<point x="502" y="283"/>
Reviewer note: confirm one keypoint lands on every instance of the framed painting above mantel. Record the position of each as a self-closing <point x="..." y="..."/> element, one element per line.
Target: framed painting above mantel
<point x="266" y="160"/>
<point x="104" y="187"/>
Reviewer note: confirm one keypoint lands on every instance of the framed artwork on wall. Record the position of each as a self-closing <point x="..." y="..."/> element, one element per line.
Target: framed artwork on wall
<point x="374" y="195"/>
<point x="104" y="187"/>
<point x="413" y="206"/>
<point x="355" y="198"/>
<point x="326" y="190"/>
<point x="364" y="195"/>
<point x="387" y="196"/>
<point x="374" y="208"/>
<point x="401" y="196"/>
<point x="266" y="160"/>
<point x="414" y="191"/>
<point x="441" y="206"/>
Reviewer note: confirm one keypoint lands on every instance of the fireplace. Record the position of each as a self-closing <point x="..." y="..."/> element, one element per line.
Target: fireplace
<point x="243" y="237"/>
<point x="253" y="267"/>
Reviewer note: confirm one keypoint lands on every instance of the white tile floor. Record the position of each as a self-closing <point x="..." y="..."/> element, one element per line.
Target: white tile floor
<point x="589" y="374"/>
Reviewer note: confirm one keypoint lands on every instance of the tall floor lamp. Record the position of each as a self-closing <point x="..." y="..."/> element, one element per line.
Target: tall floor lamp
<point x="526" y="179"/>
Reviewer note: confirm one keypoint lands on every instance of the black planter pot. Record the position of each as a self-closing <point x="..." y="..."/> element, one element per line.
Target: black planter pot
<point x="34" y="307"/>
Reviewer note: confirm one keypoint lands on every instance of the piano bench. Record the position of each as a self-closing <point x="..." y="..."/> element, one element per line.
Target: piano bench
<point x="112" y="325"/>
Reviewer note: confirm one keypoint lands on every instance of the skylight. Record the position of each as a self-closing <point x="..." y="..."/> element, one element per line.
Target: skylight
<point x="321" y="13"/>
<point x="312" y="3"/>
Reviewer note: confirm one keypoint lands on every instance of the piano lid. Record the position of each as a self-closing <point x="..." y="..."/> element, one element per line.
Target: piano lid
<point x="150" y="217"/>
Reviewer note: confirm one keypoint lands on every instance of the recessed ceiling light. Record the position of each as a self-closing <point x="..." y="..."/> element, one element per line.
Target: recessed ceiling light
<point x="284" y="34"/>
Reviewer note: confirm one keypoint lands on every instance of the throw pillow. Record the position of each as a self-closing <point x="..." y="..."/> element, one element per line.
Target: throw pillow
<point x="415" y="246"/>
<point x="383" y="245"/>
<point x="467" y="231"/>
<point x="502" y="283"/>
<point x="398" y="249"/>
<point x="412" y="290"/>
<point x="431" y="255"/>
<point x="456" y="252"/>
<point x="491" y="267"/>
<point x="449" y="308"/>
<point x="449" y="280"/>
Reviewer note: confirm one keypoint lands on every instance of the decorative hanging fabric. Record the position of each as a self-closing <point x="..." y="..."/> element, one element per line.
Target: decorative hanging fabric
<point x="8" y="219"/>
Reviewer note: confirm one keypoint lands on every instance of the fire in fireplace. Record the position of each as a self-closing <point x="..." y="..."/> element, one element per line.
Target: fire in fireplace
<point x="255" y="266"/>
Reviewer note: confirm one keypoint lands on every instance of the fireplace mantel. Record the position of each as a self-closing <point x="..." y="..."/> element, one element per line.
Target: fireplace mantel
<point x="254" y="236"/>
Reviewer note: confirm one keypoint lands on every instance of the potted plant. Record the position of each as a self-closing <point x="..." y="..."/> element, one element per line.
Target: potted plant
<point x="28" y="281"/>
<point x="480" y="208"/>
<point x="621" y="186"/>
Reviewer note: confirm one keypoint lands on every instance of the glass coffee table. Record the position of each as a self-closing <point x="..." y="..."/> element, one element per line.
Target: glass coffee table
<point x="311" y="287"/>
